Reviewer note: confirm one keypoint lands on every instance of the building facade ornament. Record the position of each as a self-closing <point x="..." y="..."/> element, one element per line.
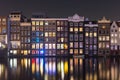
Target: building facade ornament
<point x="104" y="20"/>
<point x="76" y="18"/>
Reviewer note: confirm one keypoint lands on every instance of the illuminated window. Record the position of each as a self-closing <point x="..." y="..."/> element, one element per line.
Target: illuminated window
<point x="62" y="39"/>
<point x="33" y="22"/>
<point x="86" y="34"/>
<point x="71" y="44"/>
<point x="41" y="45"/>
<point x="81" y="51"/>
<point x="95" y="34"/>
<point x="50" y="46"/>
<point x="58" y="23"/>
<point x="11" y="51"/>
<point x="103" y="38"/>
<point x="33" y="28"/>
<point x="46" y="23"/>
<point x="25" y="52"/>
<point x="107" y="45"/>
<point x="112" y="35"/>
<point x="112" y="41"/>
<point x="46" y="46"/>
<point x="37" y="23"/>
<point x="71" y="51"/>
<point x="3" y="19"/>
<point x="62" y="29"/>
<point x="50" y="34"/>
<point x="71" y="29"/>
<point x="62" y="46"/>
<point x="33" y="46"/>
<point x="41" y="23"/>
<point x="115" y="35"/>
<point x="58" y="46"/>
<point x="107" y="38"/>
<point x="22" y="51"/>
<point x="75" y="51"/>
<point x="46" y="34"/>
<point x="90" y="34"/>
<point x="115" y="40"/>
<point x="65" y="46"/>
<point x="54" y="46"/>
<point x="80" y="29"/>
<point x="37" y="46"/>
<point x="54" y="34"/>
<point x="100" y="38"/>
<point x="103" y="27"/>
<point x="14" y="51"/>
<point x="58" y="28"/>
<point x="76" y="29"/>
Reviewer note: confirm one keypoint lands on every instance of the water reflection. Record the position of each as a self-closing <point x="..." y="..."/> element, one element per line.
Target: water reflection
<point x="60" y="69"/>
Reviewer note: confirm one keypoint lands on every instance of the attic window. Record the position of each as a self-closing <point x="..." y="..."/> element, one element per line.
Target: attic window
<point x="113" y="26"/>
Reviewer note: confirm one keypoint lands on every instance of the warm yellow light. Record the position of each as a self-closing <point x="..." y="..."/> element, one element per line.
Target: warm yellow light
<point x="103" y="27"/>
<point x="54" y="34"/>
<point x="65" y="46"/>
<point x="58" y="67"/>
<point x="81" y="29"/>
<point x="76" y="29"/>
<point x="91" y="34"/>
<point x="33" y="68"/>
<point x="81" y="51"/>
<point x="25" y="63"/>
<point x="41" y="23"/>
<point x="33" y="22"/>
<point x="15" y="52"/>
<point x="86" y="34"/>
<point x="25" y="52"/>
<point x="81" y="61"/>
<point x="95" y="34"/>
<point x="37" y="23"/>
<point x="107" y="38"/>
<point x="66" y="67"/>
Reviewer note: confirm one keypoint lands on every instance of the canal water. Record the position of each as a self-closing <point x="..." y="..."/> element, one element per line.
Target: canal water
<point x="60" y="69"/>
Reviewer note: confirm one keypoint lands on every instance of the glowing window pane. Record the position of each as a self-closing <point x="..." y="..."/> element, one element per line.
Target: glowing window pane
<point x="37" y="23"/>
<point x="33" y="22"/>
<point x="41" y="23"/>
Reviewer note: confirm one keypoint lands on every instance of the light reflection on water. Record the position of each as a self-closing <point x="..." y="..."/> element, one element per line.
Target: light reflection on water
<point x="60" y="69"/>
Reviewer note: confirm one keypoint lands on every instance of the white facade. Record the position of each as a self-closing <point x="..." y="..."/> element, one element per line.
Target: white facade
<point x="115" y="36"/>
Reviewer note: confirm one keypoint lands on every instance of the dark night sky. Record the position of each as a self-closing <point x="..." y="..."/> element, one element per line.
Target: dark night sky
<point x="93" y="9"/>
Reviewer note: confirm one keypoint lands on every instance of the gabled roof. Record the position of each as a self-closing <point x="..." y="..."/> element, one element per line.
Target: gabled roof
<point x="104" y="20"/>
<point x="76" y="18"/>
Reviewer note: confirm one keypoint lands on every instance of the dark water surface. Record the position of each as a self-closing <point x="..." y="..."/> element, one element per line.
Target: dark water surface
<point x="60" y="69"/>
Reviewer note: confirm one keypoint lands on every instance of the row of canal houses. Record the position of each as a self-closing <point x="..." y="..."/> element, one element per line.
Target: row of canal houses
<point x="45" y="36"/>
